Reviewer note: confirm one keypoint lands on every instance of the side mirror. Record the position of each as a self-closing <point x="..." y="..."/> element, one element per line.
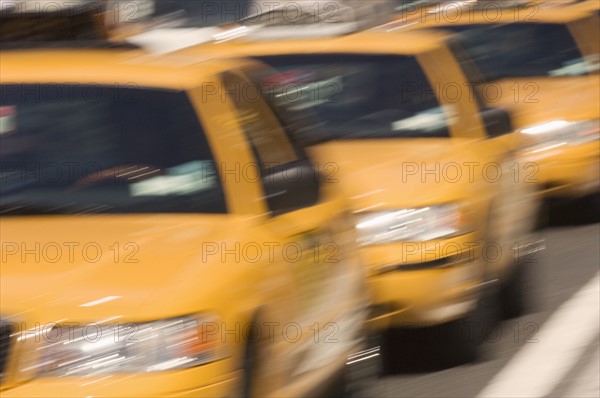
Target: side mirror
<point x="291" y="186"/>
<point x="497" y="121"/>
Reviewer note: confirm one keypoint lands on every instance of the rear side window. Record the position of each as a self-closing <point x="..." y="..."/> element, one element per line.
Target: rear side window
<point x="264" y="131"/>
<point x="287" y="176"/>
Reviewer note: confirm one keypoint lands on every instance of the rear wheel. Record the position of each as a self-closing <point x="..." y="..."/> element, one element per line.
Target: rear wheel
<point x="512" y="294"/>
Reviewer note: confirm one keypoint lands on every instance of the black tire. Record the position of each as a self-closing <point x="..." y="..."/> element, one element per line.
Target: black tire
<point x="249" y="366"/>
<point x="459" y="342"/>
<point x="363" y="368"/>
<point x="512" y="295"/>
<point x="593" y="207"/>
<point x="464" y="336"/>
<point x="426" y="349"/>
<point x="543" y="216"/>
<point x="579" y="211"/>
<point x="342" y="388"/>
<point x="400" y="350"/>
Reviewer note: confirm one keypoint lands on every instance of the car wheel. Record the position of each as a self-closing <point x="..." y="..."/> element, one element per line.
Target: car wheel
<point x="593" y="205"/>
<point x="362" y="368"/>
<point x="514" y="217"/>
<point x="461" y="339"/>
<point x="512" y="294"/>
<point x="342" y="387"/>
<point x="390" y="350"/>
<point x="254" y="380"/>
<point x="425" y="349"/>
<point x="574" y="211"/>
<point x="250" y="364"/>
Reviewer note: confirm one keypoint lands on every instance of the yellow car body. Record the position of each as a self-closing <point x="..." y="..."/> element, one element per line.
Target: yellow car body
<point x="143" y="266"/>
<point x="568" y="166"/>
<point x="585" y="5"/>
<point x="421" y="282"/>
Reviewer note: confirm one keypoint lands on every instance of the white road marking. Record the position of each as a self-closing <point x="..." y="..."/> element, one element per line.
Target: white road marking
<point x="587" y="383"/>
<point x="538" y="368"/>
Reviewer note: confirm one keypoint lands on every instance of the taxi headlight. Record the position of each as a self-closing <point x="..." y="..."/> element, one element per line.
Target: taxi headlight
<point x="557" y="132"/>
<point x="127" y="348"/>
<point x="410" y="225"/>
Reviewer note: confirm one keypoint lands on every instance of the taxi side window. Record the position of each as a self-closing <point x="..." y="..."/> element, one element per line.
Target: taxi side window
<point x="497" y="121"/>
<point x="264" y="131"/>
<point x="288" y="177"/>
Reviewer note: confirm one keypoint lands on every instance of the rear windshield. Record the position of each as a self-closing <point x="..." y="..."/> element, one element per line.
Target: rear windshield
<point x="358" y="96"/>
<point x="522" y="50"/>
<point x="86" y="148"/>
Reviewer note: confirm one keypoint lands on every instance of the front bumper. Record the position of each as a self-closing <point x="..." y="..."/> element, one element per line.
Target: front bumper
<point x="423" y="284"/>
<point x="211" y="380"/>
<point x="570" y="172"/>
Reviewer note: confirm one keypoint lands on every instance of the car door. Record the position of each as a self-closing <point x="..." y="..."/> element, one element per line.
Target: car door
<point x="316" y="237"/>
<point x="511" y="200"/>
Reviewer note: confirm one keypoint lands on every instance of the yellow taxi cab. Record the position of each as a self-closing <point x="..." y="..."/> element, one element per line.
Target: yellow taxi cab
<point x="409" y="12"/>
<point x="428" y="175"/>
<point x="162" y="235"/>
<point x="541" y="63"/>
<point x="585" y="5"/>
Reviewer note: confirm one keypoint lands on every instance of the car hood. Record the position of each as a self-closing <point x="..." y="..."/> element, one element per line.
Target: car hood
<point x="398" y="173"/>
<point x="100" y="266"/>
<point x="536" y="100"/>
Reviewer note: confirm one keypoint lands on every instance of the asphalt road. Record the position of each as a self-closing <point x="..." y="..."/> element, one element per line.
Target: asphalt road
<point x="552" y="350"/>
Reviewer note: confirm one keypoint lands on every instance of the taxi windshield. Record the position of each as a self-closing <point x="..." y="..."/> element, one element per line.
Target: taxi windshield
<point x="358" y="96"/>
<point x="203" y="13"/>
<point x="522" y="50"/>
<point x="103" y="149"/>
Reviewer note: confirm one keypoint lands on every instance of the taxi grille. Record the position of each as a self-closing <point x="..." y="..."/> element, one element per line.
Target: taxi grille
<point x="5" y="332"/>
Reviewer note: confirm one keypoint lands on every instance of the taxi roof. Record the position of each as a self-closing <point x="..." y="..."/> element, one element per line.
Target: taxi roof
<point x="366" y="42"/>
<point x="109" y="67"/>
